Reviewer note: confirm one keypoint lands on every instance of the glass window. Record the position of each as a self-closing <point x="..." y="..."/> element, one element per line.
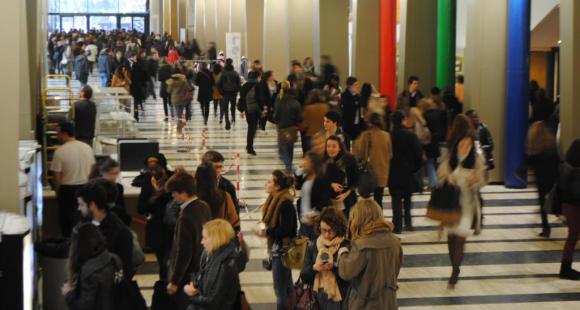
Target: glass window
<point x="53" y="6"/>
<point x="135" y="6"/>
<point x="73" y="6"/>
<point x="53" y="23"/>
<point x="139" y="23"/>
<point x="103" y="22"/>
<point x="80" y="23"/>
<point x="68" y="23"/>
<point x="126" y="23"/>
<point x="103" y="6"/>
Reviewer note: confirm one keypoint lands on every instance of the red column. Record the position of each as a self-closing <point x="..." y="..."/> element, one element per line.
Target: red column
<point x="388" y="55"/>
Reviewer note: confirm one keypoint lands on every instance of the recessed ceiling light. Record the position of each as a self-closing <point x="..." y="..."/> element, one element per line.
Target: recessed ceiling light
<point x="559" y="41"/>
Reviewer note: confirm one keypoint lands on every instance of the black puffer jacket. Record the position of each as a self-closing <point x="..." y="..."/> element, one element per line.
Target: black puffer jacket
<point x="218" y="280"/>
<point x="94" y="290"/>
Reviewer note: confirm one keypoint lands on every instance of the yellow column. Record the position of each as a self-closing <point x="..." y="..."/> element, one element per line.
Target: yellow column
<point x="334" y="33"/>
<point x="367" y="42"/>
<point x="210" y="21"/>
<point x="222" y="23"/>
<point x="301" y="29"/>
<point x="276" y="50"/>
<point x="254" y="27"/>
<point x="238" y="21"/>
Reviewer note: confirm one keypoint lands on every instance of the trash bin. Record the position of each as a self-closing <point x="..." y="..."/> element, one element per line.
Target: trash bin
<point x="54" y="261"/>
<point x="13" y="229"/>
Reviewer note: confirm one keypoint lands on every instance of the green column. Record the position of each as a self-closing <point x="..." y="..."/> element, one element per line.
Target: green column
<point x="445" y="63"/>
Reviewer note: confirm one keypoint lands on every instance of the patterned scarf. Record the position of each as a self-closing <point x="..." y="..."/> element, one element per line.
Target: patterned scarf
<point x="327" y="279"/>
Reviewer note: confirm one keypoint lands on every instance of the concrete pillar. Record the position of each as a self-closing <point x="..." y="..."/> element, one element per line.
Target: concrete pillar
<point x="366" y="41"/>
<point x="446" y="12"/>
<point x="276" y="51"/>
<point x="14" y="85"/>
<point x="417" y="44"/>
<point x="200" y="24"/>
<point x="210" y="12"/>
<point x="156" y="15"/>
<point x="223" y="18"/>
<point x="181" y="18"/>
<point x="569" y="66"/>
<point x="237" y="22"/>
<point x="301" y="29"/>
<point x="254" y="27"/>
<point x="484" y="70"/>
<point x="334" y="33"/>
<point x="518" y="77"/>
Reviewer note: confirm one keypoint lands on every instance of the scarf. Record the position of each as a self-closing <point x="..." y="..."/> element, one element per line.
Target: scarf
<point x="327" y="279"/>
<point x="271" y="208"/>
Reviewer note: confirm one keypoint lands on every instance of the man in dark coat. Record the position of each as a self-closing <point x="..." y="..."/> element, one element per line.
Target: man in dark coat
<point x="407" y="160"/>
<point x="410" y="96"/>
<point x="85" y="116"/>
<point x="352" y="109"/>
<point x="139" y="77"/>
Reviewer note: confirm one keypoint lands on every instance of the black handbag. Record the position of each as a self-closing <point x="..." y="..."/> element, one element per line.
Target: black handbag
<point x="444" y="204"/>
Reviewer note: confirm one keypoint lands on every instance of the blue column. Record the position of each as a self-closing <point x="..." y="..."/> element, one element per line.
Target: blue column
<point x="517" y="79"/>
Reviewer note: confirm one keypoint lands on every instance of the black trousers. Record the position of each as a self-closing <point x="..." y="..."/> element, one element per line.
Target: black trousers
<point x="67" y="208"/>
<point x="229" y="100"/>
<point x="378" y="196"/>
<point x="167" y="105"/>
<point x="401" y="201"/>
<point x="205" y="110"/>
<point x="252" y="119"/>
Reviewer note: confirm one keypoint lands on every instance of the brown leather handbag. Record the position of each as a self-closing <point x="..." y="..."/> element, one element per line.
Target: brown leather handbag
<point x="288" y="135"/>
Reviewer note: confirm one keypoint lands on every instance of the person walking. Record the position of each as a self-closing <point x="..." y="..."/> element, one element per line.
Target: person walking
<point x="217" y="160"/>
<point x="204" y="82"/>
<point x="352" y="109"/>
<point x="341" y="173"/>
<point x="406" y="161"/>
<point x="217" y="286"/>
<point x="92" y="52"/>
<point x="463" y="167"/>
<point x="251" y="105"/>
<point x="269" y="93"/>
<point x="544" y="160"/>
<point x="569" y="193"/>
<point x="139" y="77"/>
<point x="333" y="91"/>
<point x="315" y="108"/>
<point x="216" y="95"/>
<point x="279" y="220"/>
<point x="220" y="202"/>
<point x="320" y="263"/>
<point x="71" y="165"/>
<point x="81" y="66"/>
<point x="229" y="85"/>
<point x="410" y="96"/>
<point x="163" y="75"/>
<point x="84" y="116"/>
<point x="287" y="116"/>
<point x="331" y="127"/>
<point x="181" y="93"/>
<point x="104" y="64"/>
<point x="374" y="260"/>
<point x="314" y="195"/>
<point x="374" y="145"/>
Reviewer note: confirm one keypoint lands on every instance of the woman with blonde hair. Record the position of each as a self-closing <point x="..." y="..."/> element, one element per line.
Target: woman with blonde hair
<point x="373" y="263"/>
<point x="217" y="285"/>
<point x="544" y="160"/>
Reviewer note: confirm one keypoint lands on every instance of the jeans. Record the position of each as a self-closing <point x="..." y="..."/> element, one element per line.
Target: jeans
<point x="104" y="79"/>
<point x="282" y="282"/>
<point x="167" y="108"/>
<point x="431" y="171"/>
<point x="179" y="116"/>
<point x="252" y="119"/>
<point x="286" y="154"/>
<point x="401" y="201"/>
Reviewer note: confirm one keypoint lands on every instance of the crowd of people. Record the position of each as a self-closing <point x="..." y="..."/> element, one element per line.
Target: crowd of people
<point x="354" y="143"/>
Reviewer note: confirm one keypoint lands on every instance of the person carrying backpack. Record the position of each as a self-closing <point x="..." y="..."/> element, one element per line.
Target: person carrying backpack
<point x="229" y="86"/>
<point x="250" y="104"/>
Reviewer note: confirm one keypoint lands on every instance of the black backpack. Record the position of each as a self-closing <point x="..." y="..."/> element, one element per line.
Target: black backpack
<point x="126" y="294"/>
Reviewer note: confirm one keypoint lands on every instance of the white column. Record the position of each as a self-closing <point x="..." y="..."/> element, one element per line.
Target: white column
<point x="276" y="52"/>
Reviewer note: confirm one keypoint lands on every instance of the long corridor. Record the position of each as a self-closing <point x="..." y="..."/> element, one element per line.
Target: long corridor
<point x="507" y="267"/>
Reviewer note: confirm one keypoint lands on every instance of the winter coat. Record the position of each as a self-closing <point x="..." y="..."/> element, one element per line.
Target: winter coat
<point x="254" y="105"/>
<point x="219" y="280"/>
<point x="405" y="101"/>
<point x="205" y="83"/>
<point x="85" y="118"/>
<point x="216" y="95"/>
<point x="545" y="166"/>
<point x="314" y="117"/>
<point x="372" y="267"/>
<point x="104" y="63"/>
<point x="139" y="78"/>
<point x="308" y="275"/>
<point x="288" y="112"/>
<point x="486" y="143"/>
<point x="81" y="68"/>
<point x="119" y="240"/>
<point x="351" y="104"/>
<point x="229" y="82"/>
<point x="176" y="86"/>
<point x="94" y="290"/>
<point x="437" y="125"/>
<point x="407" y="159"/>
<point x="375" y="145"/>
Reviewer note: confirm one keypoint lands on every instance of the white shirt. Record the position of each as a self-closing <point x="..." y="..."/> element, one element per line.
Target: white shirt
<point x="185" y="204"/>
<point x="75" y="160"/>
<point x="92" y="51"/>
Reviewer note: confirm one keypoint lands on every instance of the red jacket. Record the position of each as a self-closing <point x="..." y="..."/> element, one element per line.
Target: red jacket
<point x="172" y="57"/>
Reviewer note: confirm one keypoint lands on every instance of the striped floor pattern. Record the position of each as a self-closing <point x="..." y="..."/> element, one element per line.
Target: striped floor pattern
<point x="507" y="267"/>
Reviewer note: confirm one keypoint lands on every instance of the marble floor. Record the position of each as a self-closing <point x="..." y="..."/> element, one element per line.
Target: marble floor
<point x="506" y="267"/>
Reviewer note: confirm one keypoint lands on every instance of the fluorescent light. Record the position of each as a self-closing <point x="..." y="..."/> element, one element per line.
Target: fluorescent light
<point x="559" y="41"/>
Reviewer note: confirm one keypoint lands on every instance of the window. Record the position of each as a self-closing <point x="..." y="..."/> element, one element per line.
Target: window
<point x="139" y="23"/>
<point x="104" y="22"/>
<point x="53" y="23"/>
<point x="72" y="6"/>
<point x="126" y="23"/>
<point x="135" y="6"/>
<point x="104" y="6"/>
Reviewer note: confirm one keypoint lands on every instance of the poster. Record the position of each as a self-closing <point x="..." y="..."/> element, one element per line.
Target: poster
<point x="234" y="48"/>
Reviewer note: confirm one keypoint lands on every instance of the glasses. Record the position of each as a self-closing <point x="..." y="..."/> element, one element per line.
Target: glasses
<point x="327" y="231"/>
<point x="218" y="166"/>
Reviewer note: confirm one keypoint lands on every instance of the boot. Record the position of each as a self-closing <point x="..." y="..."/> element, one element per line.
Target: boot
<point x="546" y="231"/>
<point x="567" y="273"/>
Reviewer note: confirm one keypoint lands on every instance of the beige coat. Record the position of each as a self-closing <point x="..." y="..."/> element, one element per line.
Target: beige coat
<point x="379" y="151"/>
<point x="372" y="267"/>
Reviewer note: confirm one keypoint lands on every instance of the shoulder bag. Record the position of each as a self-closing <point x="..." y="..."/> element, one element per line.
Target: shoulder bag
<point x="444" y="204"/>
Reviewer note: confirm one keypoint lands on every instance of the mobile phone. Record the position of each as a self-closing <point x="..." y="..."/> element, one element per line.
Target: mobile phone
<point x="325" y="258"/>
